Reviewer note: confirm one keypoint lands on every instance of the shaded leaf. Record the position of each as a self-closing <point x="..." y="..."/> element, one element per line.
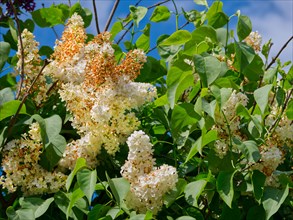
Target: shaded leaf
<point x="79" y="164"/>
<point x="225" y="186"/>
<point x="261" y="97"/>
<point x="4" y="53"/>
<point x="244" y="27"/>
<point x="193" y="190"/>
<point x="87" y="182"/>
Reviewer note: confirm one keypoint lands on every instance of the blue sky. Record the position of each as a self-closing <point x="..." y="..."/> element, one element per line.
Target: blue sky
<point x="271" y="18"/>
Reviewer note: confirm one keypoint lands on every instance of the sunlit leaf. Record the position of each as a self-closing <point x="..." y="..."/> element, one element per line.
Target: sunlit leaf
<point x="160" y="13"/>
<point x="261" y="96"/>
<point x="177" y="38"/>
<point x="9" y="109"/>
<point x="138" y="13"/>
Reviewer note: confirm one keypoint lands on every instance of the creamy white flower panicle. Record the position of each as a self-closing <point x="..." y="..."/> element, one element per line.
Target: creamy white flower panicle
<point x="271" y="158"/>
<point x="20" y="164"/>
<point x="32" y="66"/>
<point x="148" y="183"/>
<point x="99" y="93"/>
<point x="222" y="145"/>
<point x="254" y="40"/>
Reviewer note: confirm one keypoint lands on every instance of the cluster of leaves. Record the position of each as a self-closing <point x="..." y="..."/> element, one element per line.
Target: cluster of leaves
<point x="180" y="122"/>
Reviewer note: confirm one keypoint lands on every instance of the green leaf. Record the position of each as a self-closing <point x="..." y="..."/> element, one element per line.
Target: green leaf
<point x="218" y="20"/>
<point x="273" y="199"/>
<point x="9" y="109"/>
<point x="98" y="212"/>
<point x="38" y="205"/>
<point x="185" y="218"/>
<point x="54" y="144"/>
<point x="289" y="110"/>
<point x="4" y="53"/>
<point x="13" y="30"/>
<point x="79" y="164"/>
<point x="209" y="69"/>
<point x="171" y="196"/>
<point x="254" y="70"/>
<point x="161" y="13"/>
<point x="270" y="74"/>
<point x="116" y="28"/>
<point x="215" y="8"/>
<point x="182" y="115"/>
<point x="49" y="17"/>
<point x="225" y="186"/>
<point x="46" y="51"/>
<point x="167" y="52"/>
<point x="143" y="42"/>
<point x="151" y="71"/>
<point x="7" y="80"/>
<point x="244" y="27"/>
<point x="21" y="214"/>
<point x="249" y="149"/>
<point x="137" y="13"/>
<point x="202" y="141"/>
<point x="193" y="190"/>
<point x="120" y="187"/>
<point x="73" y="200"/>
<point x="6" y="95"/>
<point x="244" y="55"/>
<point x="201" y="2"/>
<point x="87" y="182"/>
<point x="261" y="96"/>
<point x="177" y="38"/>
<point x="258" y="181"/>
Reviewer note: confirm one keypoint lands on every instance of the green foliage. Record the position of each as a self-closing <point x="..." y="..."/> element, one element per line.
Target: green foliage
<point x="222" y="118"/>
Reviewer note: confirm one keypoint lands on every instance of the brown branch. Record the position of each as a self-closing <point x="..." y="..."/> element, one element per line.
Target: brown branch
<point x="96" y="17"/>
<point x="21" y="50"/>
<point x="13" y="119"/>
<point x="283" y="109"/>
<point x="111" y="15"/>
<point x="278" y="54"/>
<point x="269" y="66"/>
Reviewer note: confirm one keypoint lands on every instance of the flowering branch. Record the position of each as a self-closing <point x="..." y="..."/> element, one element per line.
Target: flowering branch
<point x="111" y="15"/>
<point x="13" y="119"/>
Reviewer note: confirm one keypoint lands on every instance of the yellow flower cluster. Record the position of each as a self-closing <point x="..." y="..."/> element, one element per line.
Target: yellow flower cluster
<point x="148" y="183"/>
<point x="99" y="93"/>
<point x="21" y="168"/>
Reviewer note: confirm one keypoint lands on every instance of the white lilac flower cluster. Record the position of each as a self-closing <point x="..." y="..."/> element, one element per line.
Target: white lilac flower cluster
<point x="254" y="40"/>
<point x="31" y="67"/>
<point x="228" y="116"/>
<point x="99" y="93"/>
<point x="148" y="183"/>
<point x="20" y="164"/>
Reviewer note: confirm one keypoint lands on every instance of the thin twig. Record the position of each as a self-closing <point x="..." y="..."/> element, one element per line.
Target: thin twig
<point x="131" y="25"/>
<point x="111" y="15"/>
<point x="13" y="119"/>
<point x="21" y="51"/>
<point x="281" y="50"/>
<point x="283" y="109"/>
<point x="269" y="66"/>
<point x="96" y="17"/>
